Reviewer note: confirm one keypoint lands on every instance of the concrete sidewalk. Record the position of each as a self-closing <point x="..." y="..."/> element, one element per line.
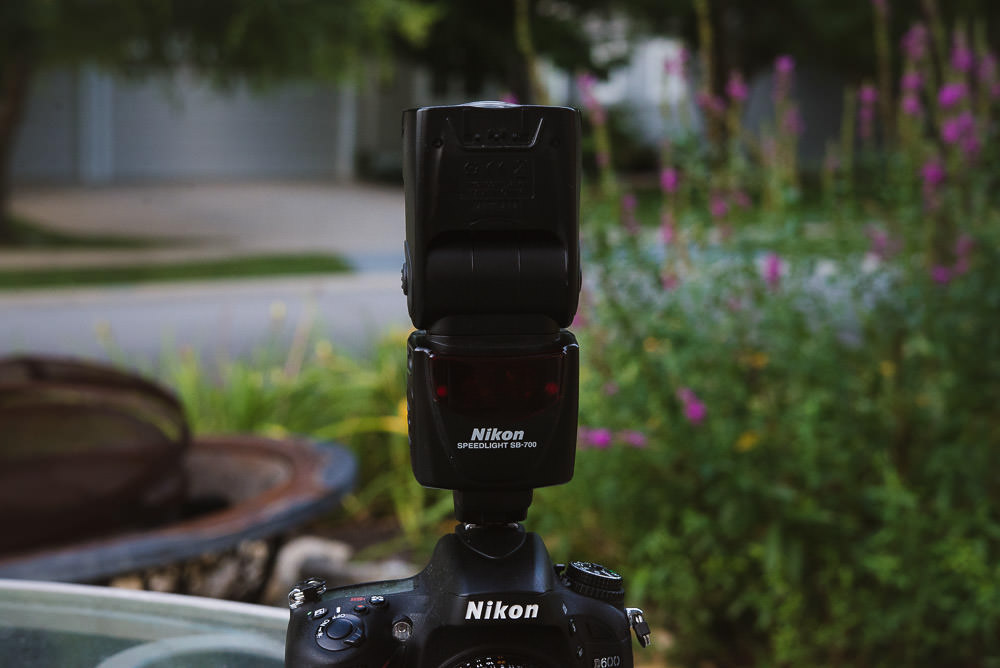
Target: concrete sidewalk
<point x="364" y="223"/>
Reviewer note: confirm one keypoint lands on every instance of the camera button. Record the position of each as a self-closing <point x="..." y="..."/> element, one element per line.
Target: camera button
<point x="355" y="639"/>
<point x="318" y="613"/>
<point x="340" y="629"/>
<point x="377" y="601"/>
<point x="361" y="609"/>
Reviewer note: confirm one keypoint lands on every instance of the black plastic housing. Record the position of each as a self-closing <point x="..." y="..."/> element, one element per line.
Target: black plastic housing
<point x="492" y="414"/>
<point x="487" y="592"/>
<point x="492" y="217"/>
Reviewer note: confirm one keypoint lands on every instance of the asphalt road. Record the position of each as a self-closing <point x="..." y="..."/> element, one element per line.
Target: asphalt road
<point x="363" y="223"/>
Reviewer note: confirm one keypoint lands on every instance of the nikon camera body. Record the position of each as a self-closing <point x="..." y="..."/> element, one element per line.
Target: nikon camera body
<point x="492" y="279"/>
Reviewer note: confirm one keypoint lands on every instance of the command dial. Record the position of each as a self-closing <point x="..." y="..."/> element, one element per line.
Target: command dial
<point x="595" y="581"/>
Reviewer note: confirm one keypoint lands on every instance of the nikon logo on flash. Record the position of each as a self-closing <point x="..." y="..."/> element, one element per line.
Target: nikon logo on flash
<point x="491" y="610"/>
<point x="494" y="434"/>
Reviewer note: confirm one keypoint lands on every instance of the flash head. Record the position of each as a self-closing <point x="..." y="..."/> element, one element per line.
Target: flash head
<point x="492" y="210"/>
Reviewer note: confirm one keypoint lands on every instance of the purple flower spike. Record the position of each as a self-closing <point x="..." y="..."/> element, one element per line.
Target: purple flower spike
<point x="941" y="274"/>
<point x="951" y="94"/>
<point x="669" y="179"/>
<point x="911" y="105"/>
<point x="912" y="81"/>
<point x="634" y="438"/>
<point x="784" y="65"/>
<point x="694" y="409"/>
<point x="736" y="88"/>
<point x="962" y="58"/>
<point x="868" y="95"/>
<point x="718" y="206"/>
<point x="594" y="438"/>
<point x="772" y="270"/>
<point x="792" y="121"/>
<point x="668" y="229"/>
<point x="629" y="202"/>
<point x="933" y="173"/>
<point x="915" y="42"/>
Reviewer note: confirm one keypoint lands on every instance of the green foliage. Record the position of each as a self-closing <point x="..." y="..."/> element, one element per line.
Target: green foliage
<point x="188" y="270"/>
<point x="319" y="393"/>
<point x="838" y="502"/>
<point x="260" y="40"/>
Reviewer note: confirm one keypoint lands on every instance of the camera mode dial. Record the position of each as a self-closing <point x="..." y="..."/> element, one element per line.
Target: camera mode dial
<point x="596" y="581"/>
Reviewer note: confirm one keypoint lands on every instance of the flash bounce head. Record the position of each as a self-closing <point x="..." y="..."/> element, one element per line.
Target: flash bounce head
<point x="492" y="209"/>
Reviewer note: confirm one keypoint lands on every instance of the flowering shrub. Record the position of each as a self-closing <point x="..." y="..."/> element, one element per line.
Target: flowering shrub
<point x="790" y="440"/>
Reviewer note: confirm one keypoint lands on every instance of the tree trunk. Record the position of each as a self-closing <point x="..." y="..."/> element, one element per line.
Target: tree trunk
<point x="15" y="82"/>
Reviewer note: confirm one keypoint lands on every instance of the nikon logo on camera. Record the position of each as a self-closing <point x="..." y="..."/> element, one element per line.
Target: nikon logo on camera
<point x="492" y="610"/>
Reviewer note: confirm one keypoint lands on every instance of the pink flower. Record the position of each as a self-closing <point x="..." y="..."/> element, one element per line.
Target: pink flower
<point x="629" y="204"/>
<point x="951" y="94"/>
<point x="694" y="409"/>
<point x="911" y="105"/>
<point x="784" y="69"/>
<point x="881" y="246"/>
<point x="987" y="70"/>
<point x="718" y="206"/>
<point x="912" y="81"/>
<point x="711" y="104"/>
<point x="736" y="88"/>
<point x="941" y="274"/>
<point x="964" y="245"/>
<point x="634" y="438"/>
<point x="509" y="98"/>
<point x="933" y="173"/>
<point x="586" y="82"/>
<point x="772" y="270"/>
<point x="915" y="42"/>
<point x="669" y="281"/>
<point x="742" y="199"/>
<point x="963" y="250"/>
<point x="669" y="179"/>
<point x="675" y="65"/>
<point x="668" y="229"/>
<point x="951" y="130"/>
<point x="792" y="121"/>
<point x="868" y="94"/>
<point x="962" y="59"/>
<point x="594" y="438"/>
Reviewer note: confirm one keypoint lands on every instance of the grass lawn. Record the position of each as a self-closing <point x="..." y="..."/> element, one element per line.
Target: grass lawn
<point x="241" y="267"/>
<point x="22" y="234"/>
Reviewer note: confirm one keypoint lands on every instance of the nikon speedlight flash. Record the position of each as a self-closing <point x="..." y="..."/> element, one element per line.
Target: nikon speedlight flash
<point x="492" y="277"/>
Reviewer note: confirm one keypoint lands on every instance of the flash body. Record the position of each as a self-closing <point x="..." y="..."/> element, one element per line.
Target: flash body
<point x="492" y="278"/>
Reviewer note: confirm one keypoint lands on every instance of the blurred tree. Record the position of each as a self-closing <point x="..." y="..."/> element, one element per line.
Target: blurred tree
<point x="259" y="41"/>
<point x="475" y="41"/>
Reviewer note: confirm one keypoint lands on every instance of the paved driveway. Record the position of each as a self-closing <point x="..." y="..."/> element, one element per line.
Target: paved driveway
<point x="364" y="223"/>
